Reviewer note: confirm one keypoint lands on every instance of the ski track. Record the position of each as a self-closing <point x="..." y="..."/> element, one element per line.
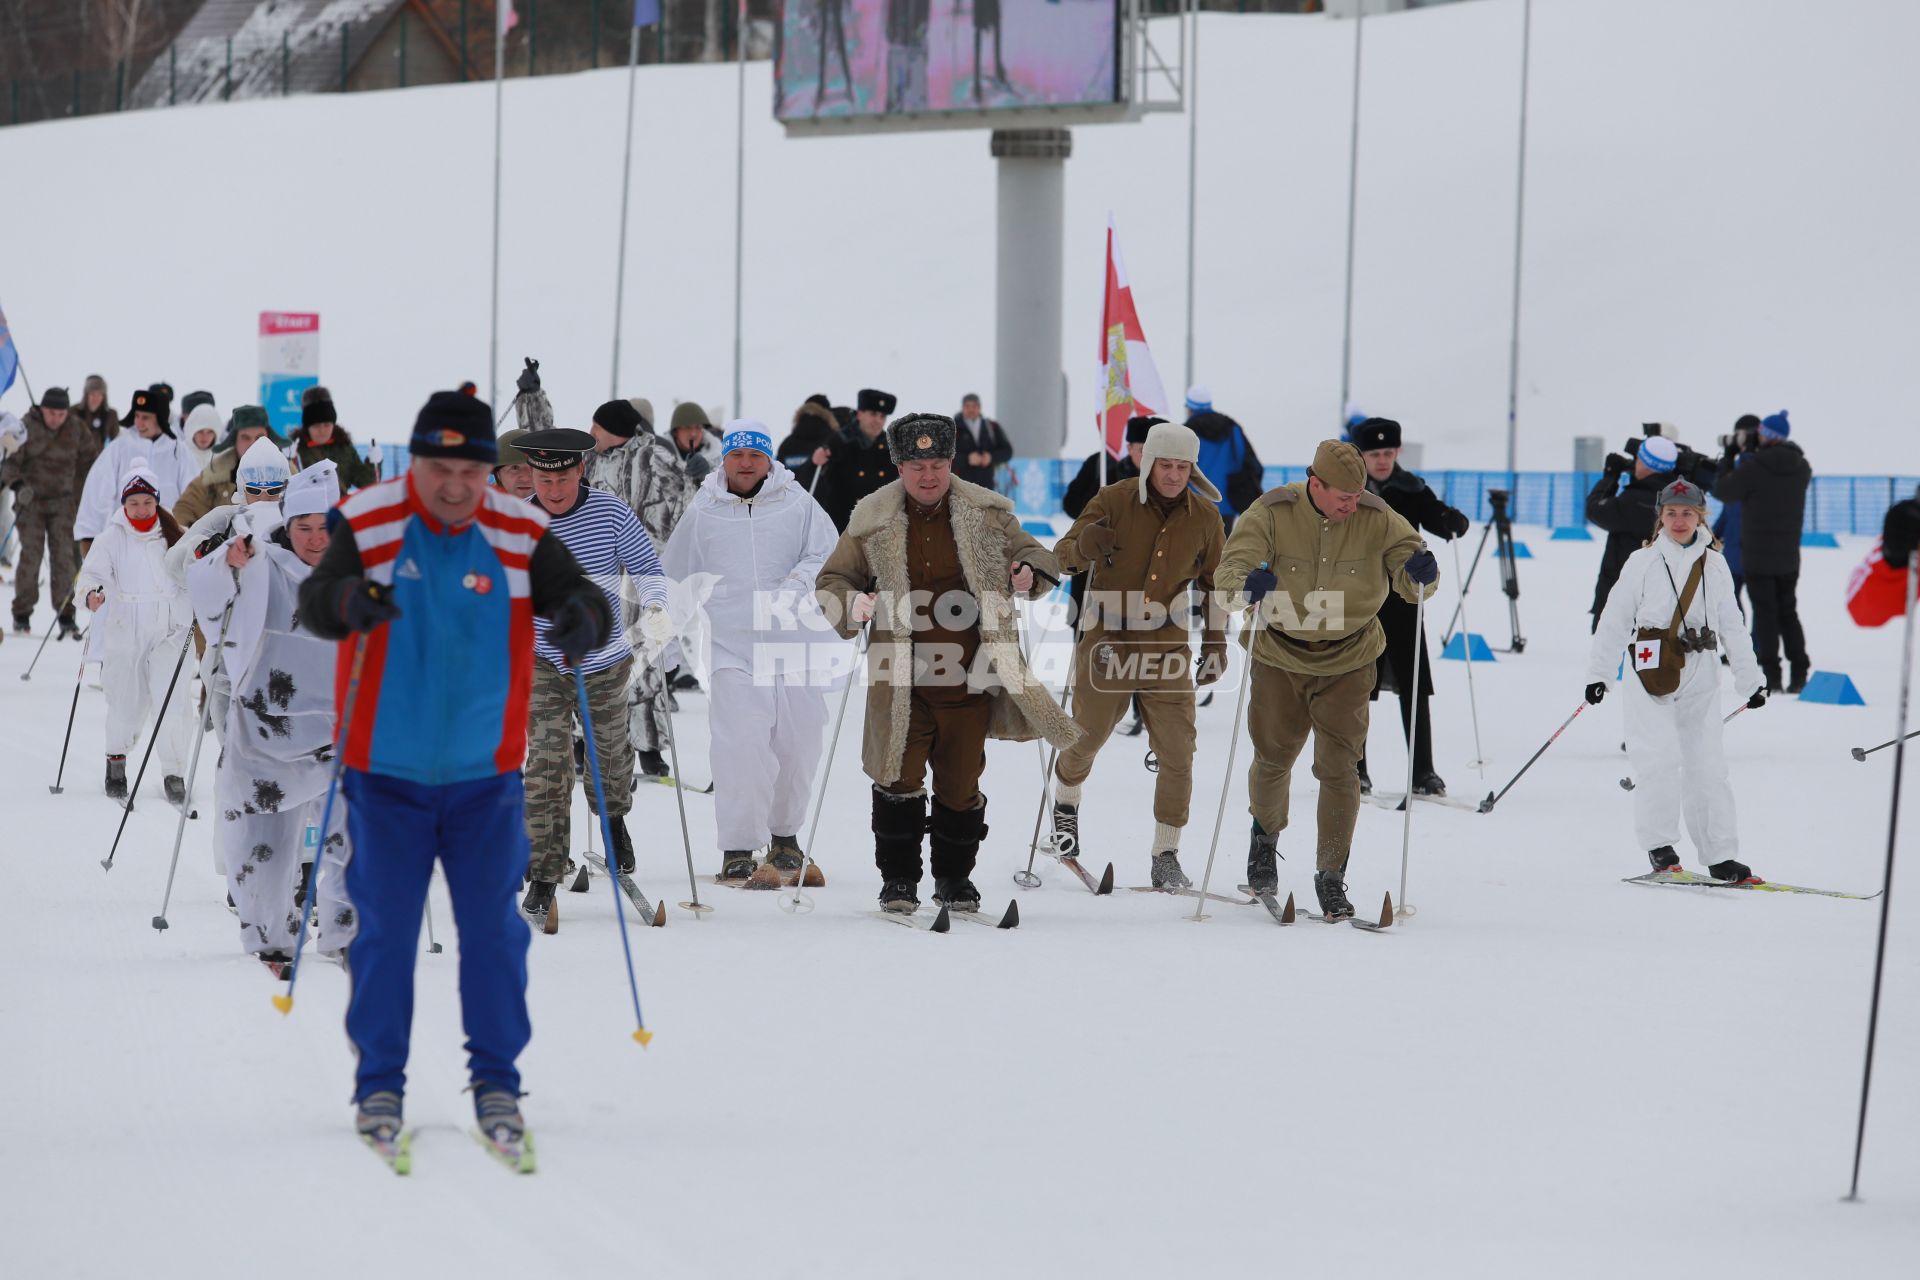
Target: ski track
<point x="1547" y="1072"/>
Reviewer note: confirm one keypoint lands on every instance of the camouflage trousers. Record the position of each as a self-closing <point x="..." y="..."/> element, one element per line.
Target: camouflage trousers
<point x="552" y="709"/>
<point x="44" y="529"/>
<point x="650" y="705"/>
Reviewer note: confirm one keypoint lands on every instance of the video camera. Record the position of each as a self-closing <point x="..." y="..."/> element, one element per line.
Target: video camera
<point x="1691" y="464"/>
<point x="1745" y="436"/>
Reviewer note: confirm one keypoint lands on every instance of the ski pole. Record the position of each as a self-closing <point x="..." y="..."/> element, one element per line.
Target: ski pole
<point x="696" y="906"/>
<point x="799" y="901"/>
<point x="1626" y="784"/>
<point x="61" y="773"/>
<point x="180" y="828"/>
<point x="640" y="1033"/>
<point x="1486" y="806"/>
<point x="284" y="1003"/>
<point x="1466" y="584"/>
<point x="1413" y="736"/>
<point x="1466" y="645"/>
<point x="1226" y="774"/>
<point x="1861" y="753"/>
<point x="28" y="673"/>
<point x="1886" y="884"/>
<point x="159" y="722"/>
<point x="433" y="943"/>
<point x="1027" y="879"/>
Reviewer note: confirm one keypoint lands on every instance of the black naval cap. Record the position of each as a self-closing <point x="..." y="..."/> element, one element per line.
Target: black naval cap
<point x="554" y="449"/>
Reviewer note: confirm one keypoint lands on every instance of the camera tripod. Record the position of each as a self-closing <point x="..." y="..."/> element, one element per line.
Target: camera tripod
<point x="1500" y="527"/>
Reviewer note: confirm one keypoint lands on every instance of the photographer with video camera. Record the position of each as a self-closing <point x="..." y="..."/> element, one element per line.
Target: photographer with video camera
<point x="1628" y="513"/>
<point x="1770" y="481"/>
<point x="1744" y="437"/>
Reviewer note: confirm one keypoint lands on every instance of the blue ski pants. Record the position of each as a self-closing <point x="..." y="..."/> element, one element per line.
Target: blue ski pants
<point x="478" y="832"/>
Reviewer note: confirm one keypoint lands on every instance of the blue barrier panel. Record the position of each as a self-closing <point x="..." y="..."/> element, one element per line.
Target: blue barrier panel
<point x="1520" y="551"/>
<point x="1818" y="540"/>
<point x="1577" y="533"/>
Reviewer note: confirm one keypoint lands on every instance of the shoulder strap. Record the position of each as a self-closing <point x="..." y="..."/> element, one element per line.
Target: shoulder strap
<point x="1686" y="595"/>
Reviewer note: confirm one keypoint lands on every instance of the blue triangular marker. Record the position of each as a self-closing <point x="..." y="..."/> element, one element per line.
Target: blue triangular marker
<point x="1457" y="648"/>
<point x="1576" y="533"/>
<point x="1520" y="551"/>
<point x="1834" y="688"/>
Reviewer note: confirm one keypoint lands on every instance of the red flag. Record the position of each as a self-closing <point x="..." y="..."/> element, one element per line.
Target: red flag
<point x="1130" y="383"/>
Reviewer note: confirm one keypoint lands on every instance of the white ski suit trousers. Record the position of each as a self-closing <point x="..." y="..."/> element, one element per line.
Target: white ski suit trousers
<point x="264" y="852"/>
<point x="134" y="671"/>
<point x="1679" y="764"/>
<point x="766" y="745"/>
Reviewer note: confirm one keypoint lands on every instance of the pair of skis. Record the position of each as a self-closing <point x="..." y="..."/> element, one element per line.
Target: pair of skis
<point x="515" y="1155"/>
<point x="1287" y="915"/>
<point x="1693" y="880"/>
<point x="942" y="921"/>
<point x="654" y="914"/>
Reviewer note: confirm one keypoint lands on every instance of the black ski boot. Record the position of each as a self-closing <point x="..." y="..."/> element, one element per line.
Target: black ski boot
<point x="654" y="765"/>
<point x="954" y="842"/>
<point x="1772" y="672"/>
<point x="176" y="788"/>
<point x="1263" y="874"/>
<point x="622" y="844"/>
<point x="538" y="903"/>
<point x="1736" y="872"/>
<point x="1797" y="677"/>
<point x="117" y="777"/>
<point x="899" y="825"/>
<point x="22" y="624"/>
<point x="279" y="963"/>
<point x="1366" y="782"/>
<point x="69" y="630"/>
<point x="1332" y="892"/>
<point x="737" y="864"/>
<point x="1428" y="784"/>
<point x="685" y="682"/>
<point x="790" y="860"/>
<point x="958" y="893"/>
<point x="1167" y="873"/>
<point x="1664" y="858"/>
<point x="1066" y="830"/>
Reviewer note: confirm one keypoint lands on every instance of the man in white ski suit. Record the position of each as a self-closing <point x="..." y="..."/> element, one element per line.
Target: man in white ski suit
<point x="758" y="541"/>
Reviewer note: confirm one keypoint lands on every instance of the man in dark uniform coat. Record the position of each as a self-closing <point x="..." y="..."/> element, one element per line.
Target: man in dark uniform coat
<point x="860" y="464"/>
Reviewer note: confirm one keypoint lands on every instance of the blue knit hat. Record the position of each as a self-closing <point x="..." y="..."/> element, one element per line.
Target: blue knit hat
<point x="1657" y="453"/>
<point x="745" y="433"/>
<point x="1775" y="426"/>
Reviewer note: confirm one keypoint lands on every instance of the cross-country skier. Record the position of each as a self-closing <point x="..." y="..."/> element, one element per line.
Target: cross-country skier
<point x="609" y="542"/>
<point x="1318" y="557"/>
<point x="437" y="577"/>
<point x="278" y="753"/>
<point x="510" y="470"/>
<point x="1673" y="702"/>
<point x="40" y="468"/>
<point x="143" y="625"/>
<point x="930" y="560"/>
<point x="756" y="539"/>
<point x="152" y="445"/>
<point x="1378" y="440"/>
<point x="1146" y="541"/>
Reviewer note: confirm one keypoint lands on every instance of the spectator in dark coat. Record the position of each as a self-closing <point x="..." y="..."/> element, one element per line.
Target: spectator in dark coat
<point x="1227" y="457"/>
<point x="981" y="447"/>
<point x="1746" y="435"/>
<point x="1378" y="440"/>
<point x="860" y="461"/>
<point x="1628" y="514"/>
<point x="809" y="444"/>
<point x="1771" y="485"/>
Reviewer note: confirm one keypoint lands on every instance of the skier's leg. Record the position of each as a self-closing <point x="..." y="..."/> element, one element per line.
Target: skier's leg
<point x="1170" y="733"/>
<point x="1793" y="637"/>
<point x="262" y="849"/>
<point x="1764" y="591"/>
<point x="800" y="716"/>
<point x="32" y="536"/>
<point x="741" y="727"/>
<point x="959" y="757"/>
<point x="175" y="719"/>
<point x="1096" y="711"/>
<point x="338" y="920"/>
<point x="606" y="699"/>
<point x="551" y="712"/>
<point x="1707" y="792"/>
<point x="1277" y="723"/>
<point x="124" y="681"/>
<point x="1653" y="748"/>
<point x="395" y="829"/>
<point x="61" y="566"/>
<point x="1339" y="708"/>
<point x="483" y="852"/>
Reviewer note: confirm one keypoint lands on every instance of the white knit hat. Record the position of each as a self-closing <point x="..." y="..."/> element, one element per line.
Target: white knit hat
<point x="204" y="418"/>
<point x="313" y="491"/>
<point x="1173" y="441"/>
<point x="262" y="467"/>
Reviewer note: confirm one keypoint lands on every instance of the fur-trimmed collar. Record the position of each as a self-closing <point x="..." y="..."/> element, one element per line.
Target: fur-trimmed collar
<point x="889" y="501"/>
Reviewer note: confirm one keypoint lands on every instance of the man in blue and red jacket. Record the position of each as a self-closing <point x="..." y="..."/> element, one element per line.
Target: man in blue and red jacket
<point x="432" y="581"/>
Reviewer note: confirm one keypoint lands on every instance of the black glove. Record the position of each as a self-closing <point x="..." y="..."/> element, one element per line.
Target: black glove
<point x="1258" y="583"/>
<point x="1596" y="691"/>
<point x="365" y="605"/>
<point x="1899" y="532"/>
<point x="580" y="625"/>
<point x="1758" y="700"/>
<point x="1423" y="568"/>
<point x="1457" y="524"/>
<point x="1618" y="464"/>
<point x="529" y="379"/>
<point x="697" y="467"/>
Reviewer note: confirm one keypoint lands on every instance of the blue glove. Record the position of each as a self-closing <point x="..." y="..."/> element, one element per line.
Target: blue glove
<point x="1258" y="583"/>
<point x="1423" y="568"/>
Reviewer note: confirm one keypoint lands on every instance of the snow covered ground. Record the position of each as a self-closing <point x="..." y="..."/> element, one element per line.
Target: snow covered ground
<point x="1544" y="1073"/>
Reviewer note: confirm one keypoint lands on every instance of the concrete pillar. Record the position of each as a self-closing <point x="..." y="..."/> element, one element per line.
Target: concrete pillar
<point x="1029" y="387"/>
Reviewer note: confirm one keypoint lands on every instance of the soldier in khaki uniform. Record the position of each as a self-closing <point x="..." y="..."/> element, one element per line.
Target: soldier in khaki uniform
<point x="1318" y="559"/>
<point x="42" y="472"/>
<point x="934" y="563"/>
<point x="1146" y="540"/>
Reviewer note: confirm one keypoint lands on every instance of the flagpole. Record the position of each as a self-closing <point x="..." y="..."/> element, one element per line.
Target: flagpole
<point x="1519" y="226"/>
<point x="1193" y="165"/>
<point x="1353" y="190"/>
<point x="739" y="197"/>
<point x="626" y="186"/>
<point x="499" y="78"/>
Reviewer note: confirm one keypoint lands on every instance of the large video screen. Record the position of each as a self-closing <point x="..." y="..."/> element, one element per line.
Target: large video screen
<point x="842" y="59"/>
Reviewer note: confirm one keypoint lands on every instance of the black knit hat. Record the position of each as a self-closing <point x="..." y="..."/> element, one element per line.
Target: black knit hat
<point x="919" y="436"/>
<point x="55" y="398"/>
<point x="618" y="417"/>
<point x="1138" y="427"/>
<point x="452" y="425"/>
<point x="193" y="401"/>
<point x="872" y="401"/>
<point x="318" y="411"/>
<point x="1376" y="433"/>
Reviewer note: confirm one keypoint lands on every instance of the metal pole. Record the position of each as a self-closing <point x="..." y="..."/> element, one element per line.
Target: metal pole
<point x="1466" y="645"/>
<point x="286" y="65"/>
<point x="1353" y="192"/>
<point x="1886" y="884"/>
<point x="626" y="182"/>
<point x="172" y="66"/>
<point x="1413" y="736"/>
<point x="493" y="340"/>
<point x="739" y="197"/>
<point x="1519" y="226"/>
<point x="226" y="76"/>
<point x="403" y="60"/>
<point x="1192" y="88"/>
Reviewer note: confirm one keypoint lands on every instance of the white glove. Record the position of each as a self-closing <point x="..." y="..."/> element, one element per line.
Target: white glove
<point x="13" y="433"/>
<point x="656" y="624"/>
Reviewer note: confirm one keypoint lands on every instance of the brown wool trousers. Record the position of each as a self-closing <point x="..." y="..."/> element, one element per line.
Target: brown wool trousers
<point x="946" y="732"/>
<point x="1169" y="719"/>
<point x="1283" y="708"/>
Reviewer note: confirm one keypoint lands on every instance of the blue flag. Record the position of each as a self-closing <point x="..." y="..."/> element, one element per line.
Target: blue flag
<point x="9" y="356"/>
<point x="646" y="13"/>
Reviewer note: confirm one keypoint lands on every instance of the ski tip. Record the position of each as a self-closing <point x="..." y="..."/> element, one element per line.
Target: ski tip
<point x="1286" y="915"/>
<point x="283" y="1003"/>
<point x="644" y="1037"/>
<point x="1386" y="911"/>
<point x="942" y="922"/>
<point x="1011" y="920"/>
<point x="660" y="914"/>
<point x="1106" y="883"/>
